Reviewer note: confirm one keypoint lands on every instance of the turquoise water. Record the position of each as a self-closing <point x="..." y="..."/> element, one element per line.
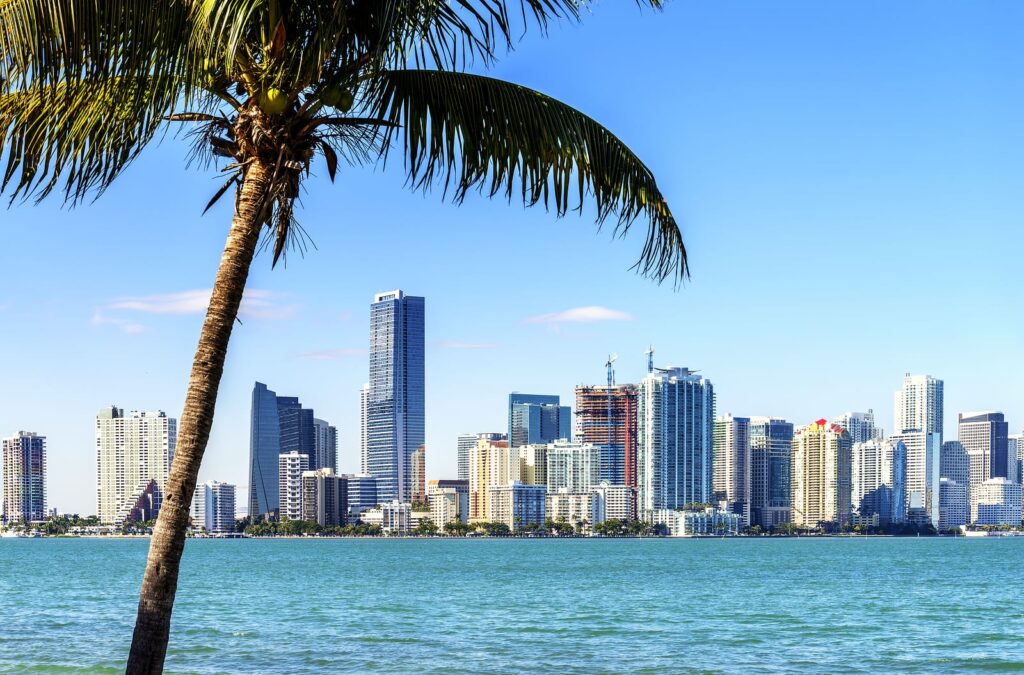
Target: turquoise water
<point x="572" y="606"/>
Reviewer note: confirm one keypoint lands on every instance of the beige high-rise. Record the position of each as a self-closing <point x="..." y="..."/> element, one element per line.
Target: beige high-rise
<point x="131" y="451"/>
<point x="490" y="463"/>
<point x="821" y="475"/>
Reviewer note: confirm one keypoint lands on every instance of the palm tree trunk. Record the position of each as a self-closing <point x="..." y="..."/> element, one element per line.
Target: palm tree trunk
<point x="156" y="599"/>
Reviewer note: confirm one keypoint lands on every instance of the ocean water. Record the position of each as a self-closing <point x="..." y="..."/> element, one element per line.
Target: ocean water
<point x="502" y="606"/>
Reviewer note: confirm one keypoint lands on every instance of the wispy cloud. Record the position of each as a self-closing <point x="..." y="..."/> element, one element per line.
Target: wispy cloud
<point x="256" y="304"/>
<point x="124" y="325"/>
<point x="582" y="315"/>
<point x="334" y="354"/>
<point x="457" y="344"/>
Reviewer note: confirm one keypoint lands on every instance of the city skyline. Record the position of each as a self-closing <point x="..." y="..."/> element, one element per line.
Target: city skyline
<point x="808" y="151"/>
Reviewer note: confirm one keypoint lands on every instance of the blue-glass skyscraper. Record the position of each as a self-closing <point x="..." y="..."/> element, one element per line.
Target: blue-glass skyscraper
<point x="537" y="418"/>
<point x="279" y="424"/>
<point x="395" y="405"/>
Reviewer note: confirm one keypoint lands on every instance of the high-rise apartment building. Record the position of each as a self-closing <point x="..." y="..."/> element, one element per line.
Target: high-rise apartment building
<point x="533" y="464"/>
<point x="821" y="480"/>
<point x="467" y="442"/>
<point x="326" y="444"/>
<point x="364" y="425"/>
<point x="449" y="501"/>
<point x="214" y="507"/>
<point x="996" y="501"/>
<point x="395" y="405"/>
<point x="924" y="452"/>
<point x="860" y="426"/>
<point x="771" y="455"/>
<point x="290" y="467"/>
<point x="490" y="463"/>
<point x="24" y="478"/>
<point x="575" y="508"/>
<point x="516" y="504"/>
<point x="537" y="418"/>
<point x="919" y="405"/>
<point x="954" y="507"/>
<point x="131" y="451"/>
<point x="676" y="415"/>
<point x="985" y="436"/>
<point x="879" y="480"/>
<point x="572" y="465"/>
<point x="324" y="497"/>
<point x="607" y="417"/>
<point x="613" y="502"/>
<point x="731" y="469"/>
<point x="1015" y="455"/>
<point x="280" y="425"/>
<point x="419" y="475"/>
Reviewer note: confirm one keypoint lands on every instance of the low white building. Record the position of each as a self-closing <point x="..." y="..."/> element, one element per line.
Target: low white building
<point x="613" y="502"/>
<point x="575" y="508"/>
<point x="709" y="522"/>
<point x="996" y="502"/>
<point x="517" y="504"/>
<point x="392" y="517"/>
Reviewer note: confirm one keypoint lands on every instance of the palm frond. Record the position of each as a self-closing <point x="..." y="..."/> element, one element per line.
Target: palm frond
<point x="85" y="131"/>
<point x="471" y="132"/>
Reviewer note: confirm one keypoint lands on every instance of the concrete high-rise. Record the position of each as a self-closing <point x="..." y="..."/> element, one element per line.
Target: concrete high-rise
<point x="364" y="410"/>
<point x="278" y="425"/>
<point x="449" y="501"/>
<point x="985" y="436"/>
<point x="326" y="444"/>
<point x="572" y="465"/>
<point x="467" y="442"/>
<point x="954" y="463"/>
<point x="537" y="418"/>
<point x="395" y="414"/>
<point x="996" y="501"/>
<point x="821" y="480"/>
<point x="290" y="467"/>
<point x="324" y="497"/>
<point x="954" y="507"/>
<point x="214" y="507"/>
<point x="731" y="474"/>
<point x="131" y="451"/>
<point x="419" y="475"/>
<point x="879" y="480"/>
<point x="516" y="504"/>
<point x="607" y="417"/>
<point x="771" y="459"/>
<point x="24" y="478"/>
<point x="490" y="463"/>
<point x="924" y="453"/>
<point x="676" y="416"/>
<point x="919" y="405"/>
<point x="860" y="426"/>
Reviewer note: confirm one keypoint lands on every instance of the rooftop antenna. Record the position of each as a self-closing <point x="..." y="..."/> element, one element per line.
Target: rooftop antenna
<point x="650" y="359"/>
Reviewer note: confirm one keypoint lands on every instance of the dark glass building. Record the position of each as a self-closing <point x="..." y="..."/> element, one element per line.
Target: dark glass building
<point x="537" y="418"/>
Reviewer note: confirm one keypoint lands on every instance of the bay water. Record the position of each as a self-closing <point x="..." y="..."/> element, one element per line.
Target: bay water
<point x="521" y="605"/>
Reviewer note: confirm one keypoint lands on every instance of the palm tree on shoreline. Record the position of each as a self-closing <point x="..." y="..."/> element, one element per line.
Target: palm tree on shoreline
<point x="267" y="87"/>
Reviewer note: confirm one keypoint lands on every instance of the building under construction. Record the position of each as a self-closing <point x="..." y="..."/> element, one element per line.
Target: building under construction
<point x="606" y="416"/>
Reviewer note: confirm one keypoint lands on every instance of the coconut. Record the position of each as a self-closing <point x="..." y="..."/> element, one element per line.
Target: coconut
<point x="273" y="101"/>
<point x="336" y="97"/>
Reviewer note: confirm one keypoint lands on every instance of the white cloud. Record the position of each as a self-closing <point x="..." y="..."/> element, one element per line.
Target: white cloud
<point x="582" y="315"/>
<point x="334" y="354"/>
<point x="457" y="344"/>
<point x="256" y="304"/>
<point x="124" y="325"/>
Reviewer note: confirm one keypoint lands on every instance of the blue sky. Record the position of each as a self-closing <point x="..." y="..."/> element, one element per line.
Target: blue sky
<point x="848" y="176"/>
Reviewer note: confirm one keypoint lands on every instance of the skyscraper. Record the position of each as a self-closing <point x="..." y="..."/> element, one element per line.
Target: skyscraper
<point x="24" y="478"/>
<point x="214" y="507"/>
<point x="364" y="410"/>
<point x="419" y="475"/>
<point x="278" y="424"/>
<point x="676" y="415"/>
<point x="466" y="443"/>
<point x="954" y="463"/>
<point x="878" y="472"/>
<point x="607" y="417"/>
<point x="131" y="451"/>
<point x="860" y="426"/>
<point x="490" y="463"/>
<point x="821" y="476"/>
<point x="771" y="455"/>
<point x="731" y="474"/>
<point x="326" y="444"/>
<point x="1015" y="456"/>
<point x="985" y="435"/>
<point x="537" y="418"/>
<point x="924" y="453"/>
<point x="395" y="400"/>
<point x="572" y="465"/>
<point x="324" y="497"/>
<point x="919" y="405"/>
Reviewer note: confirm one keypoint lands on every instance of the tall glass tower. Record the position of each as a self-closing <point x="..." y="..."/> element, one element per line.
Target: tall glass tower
<point x="537" y="418"/>
<point x="395" y="405"/>
<point x="279" y="424"/>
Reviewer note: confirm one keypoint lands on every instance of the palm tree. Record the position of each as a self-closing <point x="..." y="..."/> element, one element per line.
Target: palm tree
<point x="266" y="87"/>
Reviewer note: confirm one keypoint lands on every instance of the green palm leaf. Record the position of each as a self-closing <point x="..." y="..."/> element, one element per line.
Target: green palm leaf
<point x="471" y="132"/>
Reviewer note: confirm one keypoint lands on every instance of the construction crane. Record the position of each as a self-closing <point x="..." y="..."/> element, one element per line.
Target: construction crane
<point x="650" y="359"/>
<point x="611" y="383"/>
